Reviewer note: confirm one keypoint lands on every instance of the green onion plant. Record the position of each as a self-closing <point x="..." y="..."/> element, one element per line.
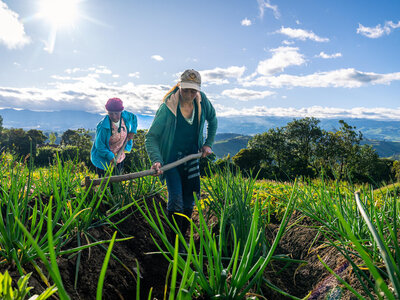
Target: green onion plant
<point x="204" y="269"/>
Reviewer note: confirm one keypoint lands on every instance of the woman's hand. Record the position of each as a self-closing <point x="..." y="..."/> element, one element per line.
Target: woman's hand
<point x="206" y="150"/>
<point x="130" y="136"/>
<point x="157" y="168"/>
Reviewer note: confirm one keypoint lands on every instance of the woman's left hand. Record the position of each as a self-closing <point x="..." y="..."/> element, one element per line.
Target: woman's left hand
<point x="130" y="135"/>
<point x="206" y="150"/>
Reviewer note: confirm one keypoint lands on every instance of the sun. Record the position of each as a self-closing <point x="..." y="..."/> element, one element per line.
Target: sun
<point x="59" y="13"/>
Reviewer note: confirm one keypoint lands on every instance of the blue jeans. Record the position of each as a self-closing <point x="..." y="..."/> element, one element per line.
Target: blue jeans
<point x="180" y="193"/>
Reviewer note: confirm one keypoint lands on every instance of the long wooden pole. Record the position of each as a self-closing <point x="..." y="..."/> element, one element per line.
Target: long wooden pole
<point x="125" y="177"/>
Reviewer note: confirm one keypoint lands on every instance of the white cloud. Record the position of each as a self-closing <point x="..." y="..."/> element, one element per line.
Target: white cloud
<point x="282" y="58"/>
<point x="59" y="77"/>
<point x="95" y="70"/>
<point x="375" y="113"/>
<point x="134" y="75"/>
<point x="378" y="30"/>
<point x="287" y="43"/>
<point x="74" y="70"/>
<point x="301" y="34"/>
<point x="86" y="93"/>
<point x="263" y="4"/>
<point x="246" y="95"/>
<point x="346" y="78"/>
<point x="327" y="56"/>
<point x="371" y="32"/>
<point x="157" y="57"/>
<point x="245" y="22"/>
<point x="12" y="32"/>
<point x="392" y="25"/>
<point x="220" y="76"/>
<point x="103" y="70"/>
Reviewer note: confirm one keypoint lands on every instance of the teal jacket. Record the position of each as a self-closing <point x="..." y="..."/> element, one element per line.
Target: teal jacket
<point x="101" y="154"/>
<point x="160" y="137"/>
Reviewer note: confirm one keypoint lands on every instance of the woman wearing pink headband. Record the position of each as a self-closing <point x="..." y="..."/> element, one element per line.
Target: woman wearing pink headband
<point x="111" y="133"/>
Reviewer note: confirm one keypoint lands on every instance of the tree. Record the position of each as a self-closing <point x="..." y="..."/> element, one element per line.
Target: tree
<point x="37" y="138"/>
<point x="302" y="148"/>
<point x="339" y="150"/>
<point x="80" y="138"/>
<point x="52" y="138"/>
<point x="248" y="159"/>
<point x="303" y="135"/>
<point x="271" y="145"/>
<point x="2" y="135"/>
<point x="396" y="169"/>
<point x="18" y="141"/>
<point x="277" y="151"/>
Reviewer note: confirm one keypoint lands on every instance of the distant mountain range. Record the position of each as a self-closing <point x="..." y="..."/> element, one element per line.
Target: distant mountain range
<point x="58" y="121"/>
<point x="233" y="132"/>
<point x="231" y="143"/>
<point x="371" y="129"/>
<point x="63" y="120"/>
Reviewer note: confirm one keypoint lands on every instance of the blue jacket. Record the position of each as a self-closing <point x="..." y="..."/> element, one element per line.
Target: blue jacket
<point x="101" y="154"/>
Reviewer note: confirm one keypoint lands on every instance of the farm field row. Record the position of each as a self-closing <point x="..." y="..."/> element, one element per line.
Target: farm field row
<point x="252" y="239"/>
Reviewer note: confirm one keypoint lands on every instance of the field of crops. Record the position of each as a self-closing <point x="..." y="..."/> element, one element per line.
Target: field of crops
<point x="248" y="239"/>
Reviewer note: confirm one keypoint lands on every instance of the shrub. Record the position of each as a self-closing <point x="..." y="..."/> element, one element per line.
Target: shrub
<point x="45" y="155"/>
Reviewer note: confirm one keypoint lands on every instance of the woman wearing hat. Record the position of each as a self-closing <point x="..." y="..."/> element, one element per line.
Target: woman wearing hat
<point x="177" y="131"/>
<point x="111" y="133"/>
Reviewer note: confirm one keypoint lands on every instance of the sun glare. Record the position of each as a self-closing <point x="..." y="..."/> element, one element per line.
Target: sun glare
<point x="60" y="13"/>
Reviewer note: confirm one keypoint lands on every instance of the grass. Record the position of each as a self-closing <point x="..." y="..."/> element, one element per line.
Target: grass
<point x="36" y="223"/>
<point x="7" y="292"/>
<point x="42" y="212"/>
<point x="205" y="268"/>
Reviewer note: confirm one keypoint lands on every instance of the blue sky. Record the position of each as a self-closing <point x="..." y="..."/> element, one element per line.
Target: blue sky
<point x="266" y="58"/>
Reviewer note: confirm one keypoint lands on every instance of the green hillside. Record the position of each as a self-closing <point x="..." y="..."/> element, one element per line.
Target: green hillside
<point x="232" y="143"/>
<point x="229" y="144"/>
<point x="385" y="148"/>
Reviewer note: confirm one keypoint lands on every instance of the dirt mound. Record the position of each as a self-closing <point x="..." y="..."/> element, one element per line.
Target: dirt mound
<point x="301" y="242"/>
<point x="120" y="281"/>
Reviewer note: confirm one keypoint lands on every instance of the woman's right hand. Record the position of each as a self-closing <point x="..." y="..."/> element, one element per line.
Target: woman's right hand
<point x="157" y="168"/>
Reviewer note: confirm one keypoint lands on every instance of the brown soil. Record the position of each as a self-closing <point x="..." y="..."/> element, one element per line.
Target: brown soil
<point x="309" y="278"/>
<point x="300" y="242"/>
<point x="119" y="282"/>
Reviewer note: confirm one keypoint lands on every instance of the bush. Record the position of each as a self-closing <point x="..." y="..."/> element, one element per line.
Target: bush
<point x="45" y="155"/>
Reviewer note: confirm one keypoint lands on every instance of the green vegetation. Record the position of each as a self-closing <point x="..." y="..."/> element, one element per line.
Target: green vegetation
<point x="43" y="210"/>
<point x="240" y="226"/>
<point x="248" y="253"/>
<point x="302" y="148"/>
<point x="22" y="290"/>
